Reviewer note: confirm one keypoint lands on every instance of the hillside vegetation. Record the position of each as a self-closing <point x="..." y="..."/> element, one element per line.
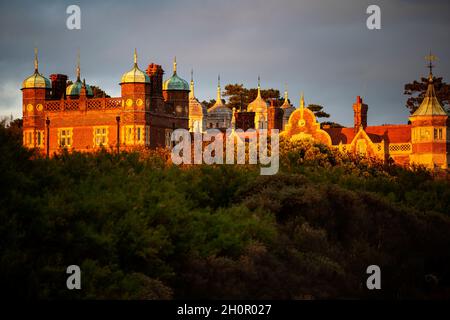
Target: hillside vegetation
<point x="141" y="228"/>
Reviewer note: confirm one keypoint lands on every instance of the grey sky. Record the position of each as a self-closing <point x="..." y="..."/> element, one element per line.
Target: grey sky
<point x="321" y="47"/>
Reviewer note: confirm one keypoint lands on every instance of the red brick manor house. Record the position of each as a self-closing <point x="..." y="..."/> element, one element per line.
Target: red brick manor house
<point x="57" y="115"/>
<point x="144" y="115"/>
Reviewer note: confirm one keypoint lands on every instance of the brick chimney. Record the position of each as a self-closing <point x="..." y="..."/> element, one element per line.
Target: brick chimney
<point x="155" y="72"/>
<point x="275" y="116"/>
<point x="59" y="84"/>
<point x="360" y="114"/>
<point x="245" y="120"/>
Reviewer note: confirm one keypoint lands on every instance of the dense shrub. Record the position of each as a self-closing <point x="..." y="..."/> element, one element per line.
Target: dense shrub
<point x="141" y="228"/>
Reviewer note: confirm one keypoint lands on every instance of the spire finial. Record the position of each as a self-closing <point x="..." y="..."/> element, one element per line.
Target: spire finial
<point x="36" y="63"/>
<point x="219" y="95"/>
<point x="430" y="58"/>
<point x="302" y="105"/>
<point x="78" y="66"/>
<point x="191" y="93"/>
<point x="259" y="86"/>
<point x="285" y="93"/>
<point x="302" y="100"/>
<point x="175" y="65"/>
<point x="135" y="57"/>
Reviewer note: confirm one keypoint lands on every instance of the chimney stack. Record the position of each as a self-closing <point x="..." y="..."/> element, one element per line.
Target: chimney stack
<point x="275" y="116"/>
<point x="59" y="84"/>
<point x="360" y="114"/>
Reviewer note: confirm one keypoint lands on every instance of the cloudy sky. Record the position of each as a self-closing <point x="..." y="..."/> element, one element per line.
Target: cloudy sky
<point x="321" y="47"/>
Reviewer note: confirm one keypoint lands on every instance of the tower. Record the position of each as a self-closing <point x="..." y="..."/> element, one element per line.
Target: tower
<point x="430" y="145"/>
<point x="176" y="94"/>
<point x="135" y="88"/>
<point x="35" y="90"/>
<point x="197" y="111"/>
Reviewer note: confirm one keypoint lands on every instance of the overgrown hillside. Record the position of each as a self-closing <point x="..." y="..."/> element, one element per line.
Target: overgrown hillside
<point x="140" y="228"/>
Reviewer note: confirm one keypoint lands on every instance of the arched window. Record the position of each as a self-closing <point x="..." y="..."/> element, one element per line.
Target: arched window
<point x="361" y="147"/>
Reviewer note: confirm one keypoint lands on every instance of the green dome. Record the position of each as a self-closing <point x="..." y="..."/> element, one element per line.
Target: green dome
<point x="75" y="88"/>
<point x="36" y="80"/>
<point x="175" y="83"/>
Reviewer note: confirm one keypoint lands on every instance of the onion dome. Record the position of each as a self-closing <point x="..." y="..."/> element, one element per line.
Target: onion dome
<point x="196" y="109"/>
<point x="135" y="75"/>
<point x="259" y="105"/>
<point x="219" y="107"/>
<point x="74" y="89"/>
<point x="175" y="82"/>
<point x="36" y="80"/>
<point x="430" y="105"/>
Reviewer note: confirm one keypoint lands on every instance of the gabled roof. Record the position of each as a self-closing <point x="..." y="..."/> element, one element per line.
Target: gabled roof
<point x="390" y="133"/>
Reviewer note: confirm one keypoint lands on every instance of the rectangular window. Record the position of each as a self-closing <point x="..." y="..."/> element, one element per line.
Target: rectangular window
<point x="100" y="136"/>
<point x="40" y="138"/>
<point x="28" y="138"/>
<point x="440" y="134"/>
<point x="168" y="138"/>
<point x="140" y="134"/>
<point x="129" y="135"/>
<point x="435" y="134"/>
<point x="65" y="137"/>
<point x="147" y="135"/>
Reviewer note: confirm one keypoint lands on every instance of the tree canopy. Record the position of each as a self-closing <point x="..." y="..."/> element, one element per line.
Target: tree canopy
<point x="239" y="95"/>
<point x="318" y="111"/>
<point x="416" y="92"/>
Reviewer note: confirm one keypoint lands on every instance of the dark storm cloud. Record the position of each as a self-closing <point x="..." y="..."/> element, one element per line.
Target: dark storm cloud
<point x="320" y="47"/>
